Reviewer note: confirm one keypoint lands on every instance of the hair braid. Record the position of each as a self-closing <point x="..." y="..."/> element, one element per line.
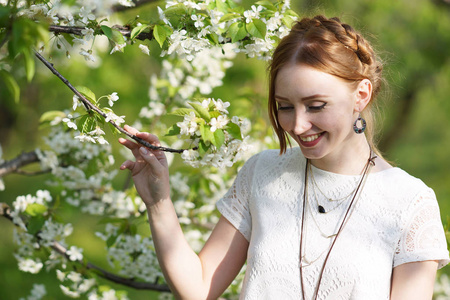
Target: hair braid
<point x="333" y="47"/>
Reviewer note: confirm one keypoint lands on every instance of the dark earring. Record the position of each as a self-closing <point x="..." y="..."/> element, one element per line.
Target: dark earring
<point x="361" y="129"/>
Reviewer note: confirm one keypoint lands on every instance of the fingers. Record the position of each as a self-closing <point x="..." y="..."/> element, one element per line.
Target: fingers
<point x="153" y="161"/>
<point x="151" y="138"/>
<point x="127" y="165"/>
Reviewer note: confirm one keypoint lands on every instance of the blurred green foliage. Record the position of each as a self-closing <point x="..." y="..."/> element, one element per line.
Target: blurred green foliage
<point x="412" y="37"/>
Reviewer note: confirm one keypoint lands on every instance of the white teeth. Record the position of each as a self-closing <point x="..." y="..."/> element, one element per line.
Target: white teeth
<point x="310" y="138"/>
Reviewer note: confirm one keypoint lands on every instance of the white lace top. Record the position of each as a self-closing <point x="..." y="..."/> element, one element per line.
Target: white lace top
<point x="395" y="220"/>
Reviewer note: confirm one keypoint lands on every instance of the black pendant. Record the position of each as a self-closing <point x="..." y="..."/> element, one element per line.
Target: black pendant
<point x="321" y="209"/>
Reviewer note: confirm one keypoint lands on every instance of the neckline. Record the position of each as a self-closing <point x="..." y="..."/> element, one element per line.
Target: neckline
<point x="329" y="173"/>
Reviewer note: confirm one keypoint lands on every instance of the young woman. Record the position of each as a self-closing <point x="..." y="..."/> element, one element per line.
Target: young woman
<point x="330" y="219"/>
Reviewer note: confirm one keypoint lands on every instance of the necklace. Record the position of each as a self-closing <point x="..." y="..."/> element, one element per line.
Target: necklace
<point x="320" y="208"/>
<point x="367" y="167"/>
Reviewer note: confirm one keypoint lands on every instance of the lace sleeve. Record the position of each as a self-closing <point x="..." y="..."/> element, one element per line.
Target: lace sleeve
<point x="423" y="237"/>
<point x="234" y="206"/>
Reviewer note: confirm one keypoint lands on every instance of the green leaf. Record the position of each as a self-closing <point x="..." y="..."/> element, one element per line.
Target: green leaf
<point x="29" y="64"/>
<point x="203" y="148"/>
<point x="113" y="34"/>
<point x="267" y="4"/>
<point x="11" y="84"/>
<point x="87" y="93"/>
<point x="222" y="6"/>
<point x="237" y="31"/>
<point x="232" y="4"/>
<point x="214" y="114"/>
<point x="111" y="240"/>
<point x="86" y="123"/>
<point x="257" y="28"/>
<point x="161" y="32"/>
<point x="207" y="134"/>
<point x="178" y="10"/>
<point x="234" y="130"/>
<point x="201" y="111"/>
<point x="35" y="224"/>
<point x="229" y="17"/>
<point x="137" y="30"/>
<point x="181" y="112"/>
<point x="174" y="130"/>
<point x="289" y="17"/>
<point x="35" y="209"/>
<point x="51" y="115"/>
<point x="219" y="138"/>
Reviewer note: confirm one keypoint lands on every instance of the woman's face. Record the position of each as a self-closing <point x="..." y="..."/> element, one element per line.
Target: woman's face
<point x="317" y="109"/>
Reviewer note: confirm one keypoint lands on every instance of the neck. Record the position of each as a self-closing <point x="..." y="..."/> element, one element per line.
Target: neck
<point x="348" y="161"/>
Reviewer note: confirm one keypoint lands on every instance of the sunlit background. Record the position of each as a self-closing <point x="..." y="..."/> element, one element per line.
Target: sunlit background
<point x="412" y="37"/>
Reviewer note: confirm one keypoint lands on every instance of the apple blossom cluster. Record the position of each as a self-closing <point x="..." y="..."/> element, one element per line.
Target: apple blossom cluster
<point x="133" y="254"/>
<point x="72" y="162"/>
<point x="76" y="285"/>
<point x="213" y="138"/>
<point x="37" y="292"/>
<point x="180" y="79"/>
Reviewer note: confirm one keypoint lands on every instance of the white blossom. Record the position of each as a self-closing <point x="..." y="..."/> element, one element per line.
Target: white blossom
<point x="88" y="33"/>
<point x="198" y="20"/>
<point x="112" y="98"/>
<point x="221" y="106"/>
<point x="75" y="253"/>
<point x="85" y="138"/>
<point x="115" y="118"/>
<point x="253" y="13"/>
<point x="118" y="47"/>
<point x="86" y="14"/>
<point x="87" y="54"/>
<point x="29" y="265"/>
<point x="68" y="121"/>
<point x="75" y="102"/>
<point x="144" y="49"/>
<point x="219" y="123"/>
<point x="68" y="292"/>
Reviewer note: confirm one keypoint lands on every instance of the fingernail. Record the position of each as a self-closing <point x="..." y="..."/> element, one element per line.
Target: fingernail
<point x="143" y="151"/>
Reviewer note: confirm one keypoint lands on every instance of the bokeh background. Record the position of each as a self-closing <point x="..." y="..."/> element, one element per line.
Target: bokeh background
<point x="412" y="37"/>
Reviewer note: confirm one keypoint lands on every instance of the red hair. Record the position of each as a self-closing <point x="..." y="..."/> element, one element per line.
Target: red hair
<point x="330" y="46"/>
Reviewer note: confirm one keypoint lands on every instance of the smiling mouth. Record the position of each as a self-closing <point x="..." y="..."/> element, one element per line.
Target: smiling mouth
<point x="310" y="138"/>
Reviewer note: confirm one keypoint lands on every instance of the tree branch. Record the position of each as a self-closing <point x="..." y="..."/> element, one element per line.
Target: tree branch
<point x="91" y="107"/>
<point x="5" y="212"/>
<point x="76" y="30"/>
<point x="15" y="164"/>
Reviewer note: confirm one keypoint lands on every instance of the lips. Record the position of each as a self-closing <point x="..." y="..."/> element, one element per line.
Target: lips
<point x="310" y="140"/>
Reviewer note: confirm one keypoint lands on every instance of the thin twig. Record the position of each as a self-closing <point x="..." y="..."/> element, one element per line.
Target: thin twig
<point x="15" y="164"/>
<point x="5" y="212"/>
<point x="76" y="30"/>
<point x="91" y="107"/>
<point x="26" y="173"/>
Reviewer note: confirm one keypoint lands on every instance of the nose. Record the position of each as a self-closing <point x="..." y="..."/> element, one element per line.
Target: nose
<point x="301" y="123"/>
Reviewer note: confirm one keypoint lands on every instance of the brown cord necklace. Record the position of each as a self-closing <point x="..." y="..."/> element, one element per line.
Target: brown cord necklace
<point x="366" y="170"/>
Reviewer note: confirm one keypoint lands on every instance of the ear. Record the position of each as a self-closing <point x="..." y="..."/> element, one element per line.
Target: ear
<point x="363" y="94"/>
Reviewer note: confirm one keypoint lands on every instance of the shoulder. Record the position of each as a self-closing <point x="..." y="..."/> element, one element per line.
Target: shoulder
<point x="399" y="188"/>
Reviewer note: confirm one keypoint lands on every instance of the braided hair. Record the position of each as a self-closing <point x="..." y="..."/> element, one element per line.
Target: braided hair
<point x="333" y="47"/>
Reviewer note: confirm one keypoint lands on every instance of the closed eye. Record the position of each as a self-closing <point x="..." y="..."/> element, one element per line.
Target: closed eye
<point x="317" y="107"/>
<point x="285" y="107"/>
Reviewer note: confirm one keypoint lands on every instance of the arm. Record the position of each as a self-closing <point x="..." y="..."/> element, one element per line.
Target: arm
<point x="190" y="276"/>
<point x="413" y="281"/>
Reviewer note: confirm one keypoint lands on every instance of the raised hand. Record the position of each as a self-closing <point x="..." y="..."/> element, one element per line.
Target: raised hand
<point x="149" y="170"/>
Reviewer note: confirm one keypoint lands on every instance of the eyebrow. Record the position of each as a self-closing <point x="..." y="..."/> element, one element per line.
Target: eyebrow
<point x="315" y="96"/>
